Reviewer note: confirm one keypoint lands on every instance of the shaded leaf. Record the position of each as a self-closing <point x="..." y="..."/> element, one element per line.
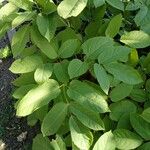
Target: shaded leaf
<point x="54" y="119"/>
<point x="114" y="26"/>
<point x="43" y="44"/>
<point x="76" y="68"/>
<point x="19" y="40"/>
<point x="141" y="126"/>
<point x="40" y="142"/>
<point x="68" y="48"/>
<point x="46" y="26"/>
<point x="118" y="109"/>
<point x="102" y="77"/>
<point x="61" y="71"/>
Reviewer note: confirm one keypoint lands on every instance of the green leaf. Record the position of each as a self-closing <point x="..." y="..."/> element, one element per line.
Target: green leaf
<point x="28" y="51"/>
<point x="118" y="109"/>
<point x="80" y="135"/>
<point x="54" y="119"/>
<point x="67" y="34"/>
<point x="141" y="126"/>
<point x="86" y="95"/>
<point x="68" y="48"/>
<point x="58" y="144"/>
<point x="24" y="79"/>
<point x="87" y="117"/>
<point x="43" y="73"/>
<point x="146" y="114"/>
<point x="7" y="10"/>
<point x="22" y="91"/>
<point x="114" y="26"/>
<point x="47" y="6"/>
<point x="61" y="71"/>
<point x="141" y="16"/>
<point x="126" y="139"/>
<point x="25" y="65"/>
<point x="43" y="44"/>
<point x="116" y="4"/>
<point x="92" y="28"/>
<point x="97" y="88"/>
<point x="40" y="142"/>
<point x="98" y="3"/>
<point x="124" y="122"/>
<point x="145" y="146"/>
<point x="38" y="97"/>
<point x="69" y="8"/>
<point x="31" y="120"/>
<point x="19" y="40"/>
<point x="102" y="77"/>
<point x="22" y="17"/>
<point x="94" y="46"/>
<point x="138" y="95"/>
<point x="124" y="73"/>
<point x="120" y="92"/>
<point x="105" y="142"/>
<point x="41" y="112"/>
<point x="24" y="4"/>
<point x="46" y="25"/>
<point x="4" y="28"/>
<point x="77" y="68"/>
<point x="115" y="53"/>
<point x="136" y="39"/>
<point x="134" y="57"/>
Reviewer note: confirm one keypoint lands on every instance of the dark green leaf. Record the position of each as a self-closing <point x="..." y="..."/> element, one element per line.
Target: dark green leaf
<point x="46" y="25"/>
<point x="43" y="44"/>
<point x="54" y="119"/>
<point x="114" y="26"/>
<point x="141" y="126"/>
<point x="102" y="77"/>
<point x="118" y="109"/>
<point x="61" y="71"/>
<point x="68" y="48"/>
<point x="41" y="143"/>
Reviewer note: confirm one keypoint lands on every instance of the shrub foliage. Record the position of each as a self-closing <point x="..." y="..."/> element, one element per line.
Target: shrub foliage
<point x="83" y="69"/>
